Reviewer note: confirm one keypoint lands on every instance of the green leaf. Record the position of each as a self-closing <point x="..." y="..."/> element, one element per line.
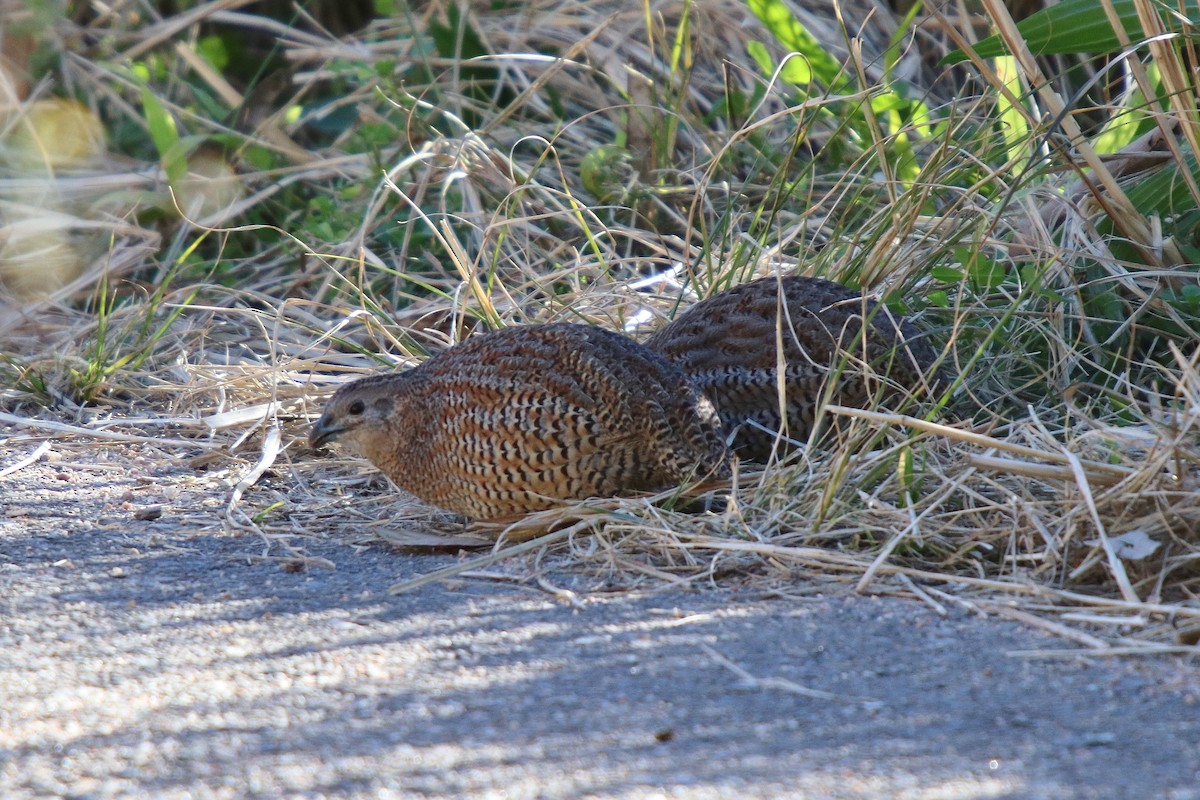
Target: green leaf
<point x="946" y="274"/>
<point x="1032" y="278"/>
<point x="165" y="136"/>
<point x="939" y="299"/>
<point x="791" y="34"/>
<point x="758" y="52"/>
<point x="1077" y="26"/>
<point x="1013" y="124"/>
<point x="983" y="272"/>
<point x="160" y="122"/>
<point x="1165" y="193"/>
<point x="1106" y="305"/>
<point x="213" y="49"/>
<point x="1131" y="120"/>
<point x="599" y="171"/>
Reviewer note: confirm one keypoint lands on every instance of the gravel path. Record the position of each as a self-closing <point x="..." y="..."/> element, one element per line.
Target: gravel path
<point x="146" y="658"/>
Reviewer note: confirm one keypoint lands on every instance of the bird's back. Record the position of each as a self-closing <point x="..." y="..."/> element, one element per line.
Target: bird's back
<point x="727" y="345"/>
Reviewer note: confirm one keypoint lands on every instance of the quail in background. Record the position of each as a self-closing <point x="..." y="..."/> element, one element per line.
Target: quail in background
<point x="516" y="420"/>
<point x="727" y="345"/>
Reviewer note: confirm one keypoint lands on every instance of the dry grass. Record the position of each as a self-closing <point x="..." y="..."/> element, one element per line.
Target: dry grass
<point x="1034" y="498"/>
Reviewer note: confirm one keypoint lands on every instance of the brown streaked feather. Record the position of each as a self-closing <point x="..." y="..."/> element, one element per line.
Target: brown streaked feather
<point x="518" y="419"/>
<point x="727" y="345"/>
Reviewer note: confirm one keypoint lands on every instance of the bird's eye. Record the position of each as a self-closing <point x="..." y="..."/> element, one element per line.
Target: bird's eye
<point x="357" y="407"/>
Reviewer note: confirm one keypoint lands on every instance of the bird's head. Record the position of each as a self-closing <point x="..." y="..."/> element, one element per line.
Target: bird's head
<point x="358" y="414"/>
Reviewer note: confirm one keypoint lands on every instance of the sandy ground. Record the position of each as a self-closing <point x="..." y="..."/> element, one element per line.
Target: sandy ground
<point x="163" y="658"/>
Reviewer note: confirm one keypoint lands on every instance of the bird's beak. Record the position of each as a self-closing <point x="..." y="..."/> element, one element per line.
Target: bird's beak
<point x="323" y="431"/>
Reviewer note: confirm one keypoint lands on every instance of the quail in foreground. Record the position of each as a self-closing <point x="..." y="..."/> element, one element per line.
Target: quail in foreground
<point x="516" y="420"/>
<point x="727" y="345"/>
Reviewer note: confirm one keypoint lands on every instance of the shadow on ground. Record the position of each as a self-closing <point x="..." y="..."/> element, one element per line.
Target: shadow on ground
<point x="139" y="658"/>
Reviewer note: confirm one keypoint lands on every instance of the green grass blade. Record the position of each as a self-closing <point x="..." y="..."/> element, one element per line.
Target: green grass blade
<point x="1077" y="26"/>
<point x="816" y="64"/>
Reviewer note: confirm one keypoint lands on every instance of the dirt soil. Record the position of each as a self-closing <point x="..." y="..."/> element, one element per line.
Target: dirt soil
<point x="164" y="657"/>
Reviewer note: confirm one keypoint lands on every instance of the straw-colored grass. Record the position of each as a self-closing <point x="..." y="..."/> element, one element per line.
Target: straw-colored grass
<point x="592" y="166"/>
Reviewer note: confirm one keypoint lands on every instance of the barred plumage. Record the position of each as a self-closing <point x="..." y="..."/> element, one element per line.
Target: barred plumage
<point x="727" y="346"/>
<point x="515" y="420"/>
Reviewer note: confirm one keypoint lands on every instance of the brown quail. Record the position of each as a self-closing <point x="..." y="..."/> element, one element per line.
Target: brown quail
<point x="727" y="346"/>
<point x="515" y="420"/>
